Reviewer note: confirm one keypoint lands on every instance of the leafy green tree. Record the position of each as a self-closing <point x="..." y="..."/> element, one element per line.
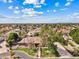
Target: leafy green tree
<point x="44" y="34"/>
<point x="58" y="38"/>
<point x="75" y="35"/>
<point x="49" y="36"/>
<point x="12" y="37"/>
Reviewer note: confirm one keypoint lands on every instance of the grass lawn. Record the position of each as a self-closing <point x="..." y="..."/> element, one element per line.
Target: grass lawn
<point x="30" y="51"/>
<point x="46" y="52"/>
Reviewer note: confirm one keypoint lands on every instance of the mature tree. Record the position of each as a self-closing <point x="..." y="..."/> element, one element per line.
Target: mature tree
<point x="12" y="37"/>
<point x="75" y="35"/>
<point x="44" y="34"/>
<point x="49" y="36"/>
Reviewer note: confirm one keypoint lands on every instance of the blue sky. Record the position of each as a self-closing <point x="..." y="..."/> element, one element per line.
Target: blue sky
<point x="39" y="11"/>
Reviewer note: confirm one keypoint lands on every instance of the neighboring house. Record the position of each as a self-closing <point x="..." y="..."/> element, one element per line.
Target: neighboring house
<point x="33" y="32"/>
<point x="28" y="41"/>
<point x="16" y="31"/>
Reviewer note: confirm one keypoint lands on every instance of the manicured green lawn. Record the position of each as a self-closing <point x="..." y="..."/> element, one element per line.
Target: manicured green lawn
<point x="46" y="52"/>
<point x="30" y="51"/>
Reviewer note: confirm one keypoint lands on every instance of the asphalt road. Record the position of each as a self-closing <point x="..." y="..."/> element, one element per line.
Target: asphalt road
<point x="4" y="54"/>
<point x="24" y="56"/>
<point x="18" y="54"/>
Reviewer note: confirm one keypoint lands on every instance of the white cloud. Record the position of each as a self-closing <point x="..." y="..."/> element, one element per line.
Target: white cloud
<point x="24" y="3"/>
<point x="57" y="4"/>
<point x="16" y="11"/>
<point x="68" y="3"/>
<point x="62" y="9"/>
<point x="34" y="2"/>
<point x="37" y="6"/>
<point x="54" y="10"/>
<point x="16" y="7"/>
<point x="42" y="1"/>
<point x="31" y="12"/>
<point x="77" y="17"/>
<point x="10" y="7"/>
<point x="10" y="1"/>
<point x="75" y="14"/>
<point x="28" y="11"/>
<point x="48" y="10"/>
<point x="70" y="0"/>
<point x="39" y="13"/>
<point x="5" y="1"/>
<point x="30" y="2"/>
